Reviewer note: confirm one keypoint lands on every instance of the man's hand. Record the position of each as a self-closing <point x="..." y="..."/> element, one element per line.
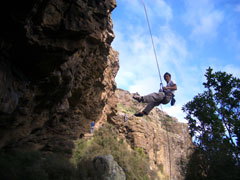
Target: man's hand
<point x="165" y="88"/>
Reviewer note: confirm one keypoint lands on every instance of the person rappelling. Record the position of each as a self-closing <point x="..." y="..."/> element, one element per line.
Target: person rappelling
<point x="164" y="96"/>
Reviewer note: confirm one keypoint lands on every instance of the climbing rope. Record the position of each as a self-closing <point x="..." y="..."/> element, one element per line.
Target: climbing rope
<point x="159" y="73"/>
<point x="161" y="85"/>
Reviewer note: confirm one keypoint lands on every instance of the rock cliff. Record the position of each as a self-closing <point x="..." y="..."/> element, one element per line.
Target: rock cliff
<point x="57" y="71"/>
<point x="166" y="141"/>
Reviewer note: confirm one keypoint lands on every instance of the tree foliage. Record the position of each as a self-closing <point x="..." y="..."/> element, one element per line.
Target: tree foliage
<point x="214" y="124"/>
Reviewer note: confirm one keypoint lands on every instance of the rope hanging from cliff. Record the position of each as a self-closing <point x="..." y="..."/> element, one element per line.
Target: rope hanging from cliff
<point x="161" y="86"/>
<point x="159" y="73"/>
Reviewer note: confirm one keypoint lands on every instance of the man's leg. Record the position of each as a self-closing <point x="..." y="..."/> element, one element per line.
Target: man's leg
<point x="154" y="97"/>
<point x="149" y="107"/>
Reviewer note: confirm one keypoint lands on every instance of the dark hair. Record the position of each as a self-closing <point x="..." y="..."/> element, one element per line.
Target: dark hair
<point x="166" y="74"/>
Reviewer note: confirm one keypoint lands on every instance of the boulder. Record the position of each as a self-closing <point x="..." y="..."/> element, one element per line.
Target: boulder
<point x="108" y="169"/>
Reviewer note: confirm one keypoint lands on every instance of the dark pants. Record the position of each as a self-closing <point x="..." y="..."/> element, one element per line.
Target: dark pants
<point x="154" y="99"/>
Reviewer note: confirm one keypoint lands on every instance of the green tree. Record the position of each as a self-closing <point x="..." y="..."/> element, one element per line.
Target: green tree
<point x="214" y="123"/>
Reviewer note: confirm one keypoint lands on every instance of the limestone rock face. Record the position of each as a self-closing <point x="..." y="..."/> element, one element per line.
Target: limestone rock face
<point x="166" y="141"/>
<point x="57" y="71"/>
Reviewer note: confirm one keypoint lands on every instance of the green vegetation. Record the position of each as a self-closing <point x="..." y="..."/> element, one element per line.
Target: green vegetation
<point x="125" y="109"/>
<point x="134" y="163"/>
<point x="214" y="124"/>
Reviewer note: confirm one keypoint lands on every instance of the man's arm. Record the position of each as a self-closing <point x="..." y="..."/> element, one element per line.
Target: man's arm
<point x="173" y="87"/>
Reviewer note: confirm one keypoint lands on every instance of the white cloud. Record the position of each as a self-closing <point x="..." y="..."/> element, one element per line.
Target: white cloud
<point x="203" y="18"/>
<point x="155" y="9"/>
<point x="145" y="86"/>
<point x="125" y="79"/>
<point x="134" y="6"/>
<point x="171" y="48"/>
<point x="159" y="9"/>
<point x="207" y="25"/>
<point x="231" y="69"/>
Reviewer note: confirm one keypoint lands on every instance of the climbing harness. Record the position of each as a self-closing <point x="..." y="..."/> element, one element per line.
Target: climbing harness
<point x="161" y="86"/>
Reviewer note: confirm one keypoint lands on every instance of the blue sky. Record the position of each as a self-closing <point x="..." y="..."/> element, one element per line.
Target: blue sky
<point x="189" y="36"/>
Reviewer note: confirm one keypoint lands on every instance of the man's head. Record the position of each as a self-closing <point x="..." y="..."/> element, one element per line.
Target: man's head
<point x="167" y="76"/>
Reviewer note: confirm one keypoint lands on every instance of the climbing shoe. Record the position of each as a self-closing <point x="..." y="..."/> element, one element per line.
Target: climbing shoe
<point x="140" y="114"/>
<point x="137" y="97"/>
